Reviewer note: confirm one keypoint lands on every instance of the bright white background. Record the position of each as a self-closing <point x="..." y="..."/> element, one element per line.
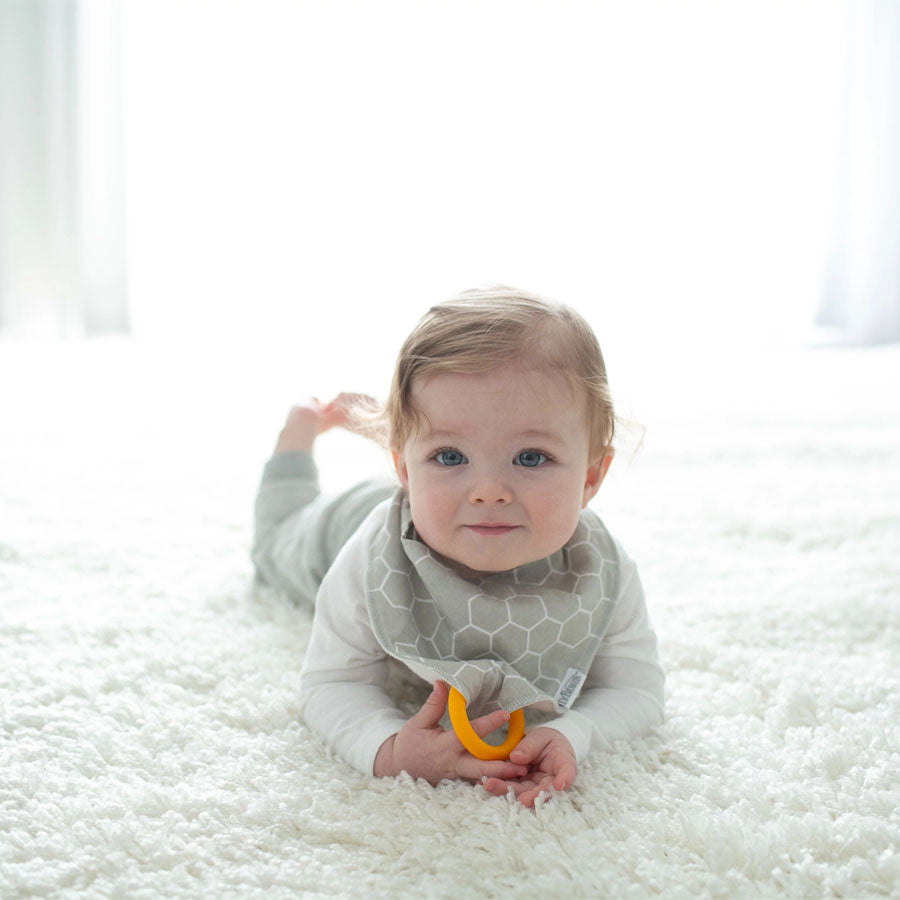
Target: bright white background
<point x="304" y="179"/>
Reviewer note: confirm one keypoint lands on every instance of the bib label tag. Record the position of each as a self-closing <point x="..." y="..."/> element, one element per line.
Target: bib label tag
<point x="568" y="689"/>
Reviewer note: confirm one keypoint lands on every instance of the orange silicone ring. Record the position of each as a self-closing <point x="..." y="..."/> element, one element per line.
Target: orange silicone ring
<point x="459" y="719"/>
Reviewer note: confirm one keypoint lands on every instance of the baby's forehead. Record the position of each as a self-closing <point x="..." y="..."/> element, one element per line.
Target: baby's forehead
<point x="499" y="381"/>
<point x="513" y="400"/>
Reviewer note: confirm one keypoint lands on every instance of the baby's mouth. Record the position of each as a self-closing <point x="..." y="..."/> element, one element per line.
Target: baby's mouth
<point x="492" y="529"/>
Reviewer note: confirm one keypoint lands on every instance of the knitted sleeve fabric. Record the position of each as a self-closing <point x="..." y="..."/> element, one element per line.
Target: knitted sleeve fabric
<point x="342" y="697"/>
<point x="623" y="694"/>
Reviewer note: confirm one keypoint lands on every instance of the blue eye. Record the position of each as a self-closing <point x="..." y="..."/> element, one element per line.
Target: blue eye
<point x="531" y="459"/>
<point x="449" y="458"/>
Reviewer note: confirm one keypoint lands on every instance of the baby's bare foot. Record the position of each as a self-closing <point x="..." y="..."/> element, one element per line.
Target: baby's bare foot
<point x="305" y="422"/>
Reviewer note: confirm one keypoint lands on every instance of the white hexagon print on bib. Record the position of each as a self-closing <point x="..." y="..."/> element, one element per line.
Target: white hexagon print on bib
<point x="525" y="637"/>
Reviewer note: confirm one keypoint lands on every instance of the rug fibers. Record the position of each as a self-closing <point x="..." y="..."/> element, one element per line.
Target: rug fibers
<point x="150" y="744"/>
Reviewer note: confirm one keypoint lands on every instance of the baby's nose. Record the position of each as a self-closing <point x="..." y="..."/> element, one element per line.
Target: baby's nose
<point x="490" y="489"/>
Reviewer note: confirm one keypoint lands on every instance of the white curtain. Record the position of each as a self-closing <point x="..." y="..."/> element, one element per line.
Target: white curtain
<point x="62" y="205"/>
<point x="861" y="299"/>
<point x="62" y="246"/>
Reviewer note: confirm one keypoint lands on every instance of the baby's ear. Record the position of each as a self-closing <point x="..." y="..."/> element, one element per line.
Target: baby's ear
<point x="596" y="472"/>
<point x="400" y="468"/>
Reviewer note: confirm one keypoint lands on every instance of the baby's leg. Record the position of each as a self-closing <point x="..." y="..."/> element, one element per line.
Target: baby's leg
<point x="298" y="531"/>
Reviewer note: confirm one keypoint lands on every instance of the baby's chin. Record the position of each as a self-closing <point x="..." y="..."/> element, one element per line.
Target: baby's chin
<point x="473" y="569"/>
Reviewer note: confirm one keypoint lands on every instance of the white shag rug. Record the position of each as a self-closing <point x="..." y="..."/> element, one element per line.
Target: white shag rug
<point x="149" y="739"/>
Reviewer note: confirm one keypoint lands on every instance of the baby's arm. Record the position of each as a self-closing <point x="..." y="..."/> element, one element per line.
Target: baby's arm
<point x="342" y="698"/>
<point x="622" y="698"/>
<point x="623" y="693"/>
<point x="341" y="693"/>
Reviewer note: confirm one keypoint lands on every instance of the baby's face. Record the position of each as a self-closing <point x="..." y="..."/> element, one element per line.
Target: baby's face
<point x="499" y="476"/>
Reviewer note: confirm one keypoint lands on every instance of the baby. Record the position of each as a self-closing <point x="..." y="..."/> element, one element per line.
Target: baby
<point x="483" y="570"/>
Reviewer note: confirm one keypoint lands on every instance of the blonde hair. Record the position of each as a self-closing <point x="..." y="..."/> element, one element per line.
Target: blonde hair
<point x="490" y="326"/>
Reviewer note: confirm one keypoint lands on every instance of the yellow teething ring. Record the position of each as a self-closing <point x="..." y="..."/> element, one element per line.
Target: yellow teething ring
<point x="456" y="706"/>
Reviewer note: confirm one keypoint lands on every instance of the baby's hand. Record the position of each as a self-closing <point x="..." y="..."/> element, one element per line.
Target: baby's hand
<point x="551" y="761"/>
<point x="306" y="421"/>
<point x="425" y="750"/>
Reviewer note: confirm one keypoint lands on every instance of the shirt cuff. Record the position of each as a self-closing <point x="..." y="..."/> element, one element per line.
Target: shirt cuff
<point x="580" y="732"/>
<point x="363" y="756"/>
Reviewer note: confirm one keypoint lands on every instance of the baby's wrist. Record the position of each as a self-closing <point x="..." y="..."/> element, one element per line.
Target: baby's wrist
<point x="384" y="759"/>
<point x="555" y="735"/>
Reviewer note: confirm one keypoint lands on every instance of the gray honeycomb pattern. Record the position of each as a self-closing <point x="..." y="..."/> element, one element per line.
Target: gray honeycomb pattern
<point x="509" y="639"/>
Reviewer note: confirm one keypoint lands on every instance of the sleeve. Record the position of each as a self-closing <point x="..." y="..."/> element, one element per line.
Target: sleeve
<point x="299" y="531"/>
<point x="623" y="695"/>
<point x="342" y="697"/>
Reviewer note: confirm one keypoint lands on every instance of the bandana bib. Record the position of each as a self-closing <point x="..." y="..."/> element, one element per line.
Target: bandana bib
<point x="525" y="637"/>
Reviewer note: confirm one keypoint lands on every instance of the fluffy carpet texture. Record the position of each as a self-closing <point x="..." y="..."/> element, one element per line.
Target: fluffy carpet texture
<point x="150" y="743"/>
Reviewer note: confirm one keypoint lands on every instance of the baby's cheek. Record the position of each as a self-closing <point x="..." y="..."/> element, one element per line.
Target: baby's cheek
<point x="428" y="514"/>
<point x="557" y="517"/>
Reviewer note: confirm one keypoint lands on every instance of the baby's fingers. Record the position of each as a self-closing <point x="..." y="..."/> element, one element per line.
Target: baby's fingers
<point x="565" y="774"/>
<point x="527" y="797"/>
<point x="478" y="769"/>
<point x="526" y="790"/>
<point x="499" y="787"/>
<point x="491" y="722"/>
